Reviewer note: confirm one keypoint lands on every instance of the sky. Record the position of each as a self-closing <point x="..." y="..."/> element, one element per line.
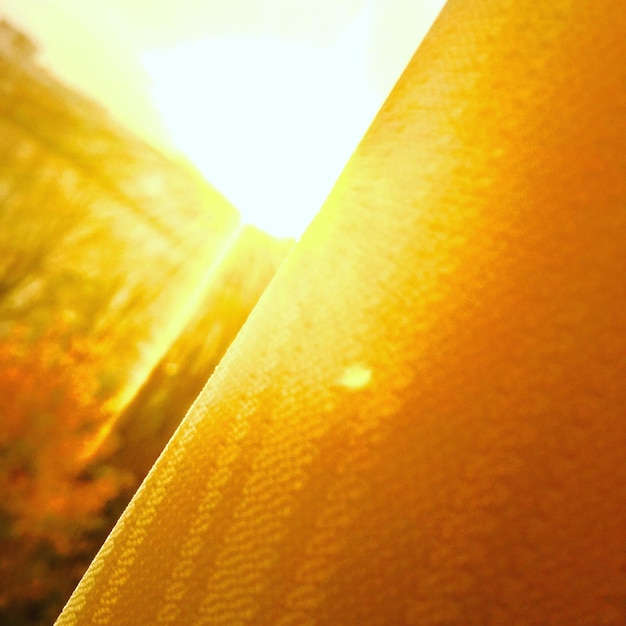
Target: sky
<point x="269" y="98"/>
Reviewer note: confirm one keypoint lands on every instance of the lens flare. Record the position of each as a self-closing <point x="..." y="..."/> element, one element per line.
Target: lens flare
<point x="270" y="122"/>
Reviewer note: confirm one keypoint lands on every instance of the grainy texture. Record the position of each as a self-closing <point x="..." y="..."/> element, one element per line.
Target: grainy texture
<point x="423" y="422"/>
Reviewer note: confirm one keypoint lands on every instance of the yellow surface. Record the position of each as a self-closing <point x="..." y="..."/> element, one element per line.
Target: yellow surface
<point x="424" y="420"/>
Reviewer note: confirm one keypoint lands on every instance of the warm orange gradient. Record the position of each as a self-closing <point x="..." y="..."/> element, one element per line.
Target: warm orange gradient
<point x="423" y="420"/>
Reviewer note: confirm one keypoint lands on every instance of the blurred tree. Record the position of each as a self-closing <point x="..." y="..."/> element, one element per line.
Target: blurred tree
<point x="51" y="504"/>
<point x="102" y="241"/>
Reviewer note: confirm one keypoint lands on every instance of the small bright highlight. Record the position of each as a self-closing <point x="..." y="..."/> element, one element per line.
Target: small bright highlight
<point x="355" y="376"/>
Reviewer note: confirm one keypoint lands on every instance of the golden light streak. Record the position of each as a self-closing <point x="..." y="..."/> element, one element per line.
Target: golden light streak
<point x="159" y="347"/>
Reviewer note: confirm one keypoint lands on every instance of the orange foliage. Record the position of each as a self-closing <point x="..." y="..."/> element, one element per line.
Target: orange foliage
<point x="50" y="406"/>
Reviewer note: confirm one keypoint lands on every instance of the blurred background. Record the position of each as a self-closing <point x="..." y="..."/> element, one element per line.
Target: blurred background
<point x="124" y="273"/>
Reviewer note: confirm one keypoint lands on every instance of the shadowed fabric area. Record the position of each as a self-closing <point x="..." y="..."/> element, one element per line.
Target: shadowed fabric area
<point x="423" y="421"/>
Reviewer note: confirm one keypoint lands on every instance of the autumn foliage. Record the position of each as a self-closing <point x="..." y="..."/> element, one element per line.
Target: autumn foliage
<point x="104" y="243"/>
<point x="53" y="500"/>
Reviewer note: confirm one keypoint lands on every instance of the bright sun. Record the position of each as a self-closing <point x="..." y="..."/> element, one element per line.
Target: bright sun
<point x="269" y="122"/>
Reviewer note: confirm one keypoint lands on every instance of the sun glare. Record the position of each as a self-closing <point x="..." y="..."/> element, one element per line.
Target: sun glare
<point x="269" y="122"/>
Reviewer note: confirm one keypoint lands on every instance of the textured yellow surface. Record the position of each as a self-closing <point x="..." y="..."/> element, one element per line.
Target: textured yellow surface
<point x="424" y="420"/>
